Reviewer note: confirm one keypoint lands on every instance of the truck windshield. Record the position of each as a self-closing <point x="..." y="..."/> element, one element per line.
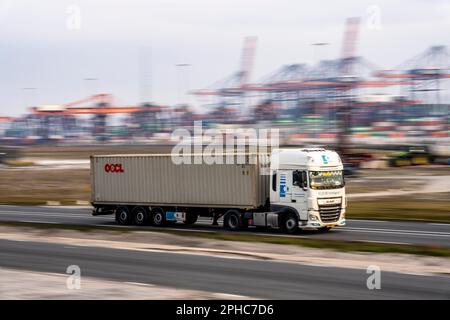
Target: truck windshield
<point x="326" y="179"/>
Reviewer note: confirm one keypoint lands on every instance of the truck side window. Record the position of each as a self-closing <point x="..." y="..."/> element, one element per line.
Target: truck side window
<point x="297" y="178"/>
<point x="274" y="181"/>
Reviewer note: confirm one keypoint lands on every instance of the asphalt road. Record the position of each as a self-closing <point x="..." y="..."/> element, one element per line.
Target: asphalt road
<point x="250" y="278"/>
<point x="414" y="233"/>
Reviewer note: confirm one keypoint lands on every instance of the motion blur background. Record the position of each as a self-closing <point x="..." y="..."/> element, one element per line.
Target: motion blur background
<point x="369" y="79"/>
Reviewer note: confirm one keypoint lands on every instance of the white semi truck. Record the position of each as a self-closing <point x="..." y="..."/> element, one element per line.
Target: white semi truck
<point x="288" y="189"/>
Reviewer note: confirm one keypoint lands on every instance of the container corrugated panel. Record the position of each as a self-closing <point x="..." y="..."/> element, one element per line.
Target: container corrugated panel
<point x="157" y="180"/>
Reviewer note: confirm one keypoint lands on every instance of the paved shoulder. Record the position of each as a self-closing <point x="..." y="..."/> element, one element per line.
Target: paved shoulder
<point x="260" y="279"/>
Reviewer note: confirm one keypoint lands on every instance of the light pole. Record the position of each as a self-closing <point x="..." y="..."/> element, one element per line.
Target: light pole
<point x="145" y="74"/>
<point x="95" y="89"/>
<point x="317" y="45"/>
<point x="179" y="67"/>
<point x="28" y="101"/>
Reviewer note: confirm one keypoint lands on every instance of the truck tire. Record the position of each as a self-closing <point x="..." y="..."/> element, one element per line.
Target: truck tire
<point x="232" y="220"/>
<point x="140" y="216"/>
<point x="123" y="216"/>
<point x="158" y="217"/>
<point x="191" y="218"/>
<point x="289" y="223"/>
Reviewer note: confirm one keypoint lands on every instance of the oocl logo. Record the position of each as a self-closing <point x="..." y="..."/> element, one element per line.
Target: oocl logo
<point x="117" y="168"/>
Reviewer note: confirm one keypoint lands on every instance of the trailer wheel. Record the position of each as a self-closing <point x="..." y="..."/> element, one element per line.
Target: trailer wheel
<point x="123" y="216"/>
<point x="232" y="220"/>
<point x="191" y="218"/>
<point x="158" y="217"/>
<point x="290" y="223"/>
<point x="140" y="216"/>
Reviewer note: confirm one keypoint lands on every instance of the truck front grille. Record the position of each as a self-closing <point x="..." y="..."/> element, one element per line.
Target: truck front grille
<point x="329" y="213"/>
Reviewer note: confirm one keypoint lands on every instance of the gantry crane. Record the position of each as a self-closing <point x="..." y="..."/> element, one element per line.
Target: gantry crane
<point x="423" y="72"/>
<point x="100" y="106"/>
<point x="232" y="90"/>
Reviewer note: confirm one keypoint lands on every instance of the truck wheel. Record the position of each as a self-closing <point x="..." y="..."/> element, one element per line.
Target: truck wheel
<point x="123" y="216"/>
<point x="290" y="223"/>
<point x="158" y="217"/>
<point x="140" y="216"/>
<point x="191" y="218"/>
<point x="232" y="220"/>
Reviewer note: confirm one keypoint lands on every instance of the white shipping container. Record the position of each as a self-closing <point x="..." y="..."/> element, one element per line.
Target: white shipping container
<point x="156" y="180"/>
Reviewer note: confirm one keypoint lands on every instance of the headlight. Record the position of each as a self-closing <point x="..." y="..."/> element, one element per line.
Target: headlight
<point x="312" y="217"/>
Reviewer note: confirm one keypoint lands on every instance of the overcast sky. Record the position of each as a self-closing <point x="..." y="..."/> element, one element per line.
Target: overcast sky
<point x="46" y="45"/>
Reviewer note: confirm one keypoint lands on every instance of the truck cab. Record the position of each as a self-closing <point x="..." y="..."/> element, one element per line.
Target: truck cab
<point x="309" y="184"/>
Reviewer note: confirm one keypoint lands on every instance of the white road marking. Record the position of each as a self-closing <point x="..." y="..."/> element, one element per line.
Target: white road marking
<point x="440" y="224"/>
<point x="386" y="242"/>
<point x="75" y="207"/>
<point x="397" y="231"/>
<point x="109" y="225"/>
<point x="371" y="221"/>
<point x="62" y="214"/>
<point x="55" y="215"/>
<point x="52" y="274"/>
<point x="34" y="221"/>
<point x="139" y="284"/>
<point x="231" y="296"/>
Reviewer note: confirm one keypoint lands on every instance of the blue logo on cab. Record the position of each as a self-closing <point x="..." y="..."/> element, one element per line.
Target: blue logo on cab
<point x="282" y="185"/>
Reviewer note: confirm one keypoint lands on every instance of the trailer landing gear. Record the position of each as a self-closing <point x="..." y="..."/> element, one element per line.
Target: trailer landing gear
<point x="216" y="217"/>
<point x="191" y="218"/>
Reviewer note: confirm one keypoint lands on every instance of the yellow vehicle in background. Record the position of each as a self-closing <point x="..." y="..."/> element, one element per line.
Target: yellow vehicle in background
<point x="410" y="157"/>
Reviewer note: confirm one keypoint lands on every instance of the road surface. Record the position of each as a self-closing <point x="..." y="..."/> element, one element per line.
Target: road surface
<point x="249" y="278"/>
<point x="413" y="233"/>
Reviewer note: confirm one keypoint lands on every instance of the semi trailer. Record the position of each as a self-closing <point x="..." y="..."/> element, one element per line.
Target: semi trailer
<point x="286" y="189"/>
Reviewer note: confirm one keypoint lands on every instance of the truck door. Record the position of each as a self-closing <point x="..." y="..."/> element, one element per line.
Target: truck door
<point x="299" y="191"/>
<point x="292" y="185"/>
